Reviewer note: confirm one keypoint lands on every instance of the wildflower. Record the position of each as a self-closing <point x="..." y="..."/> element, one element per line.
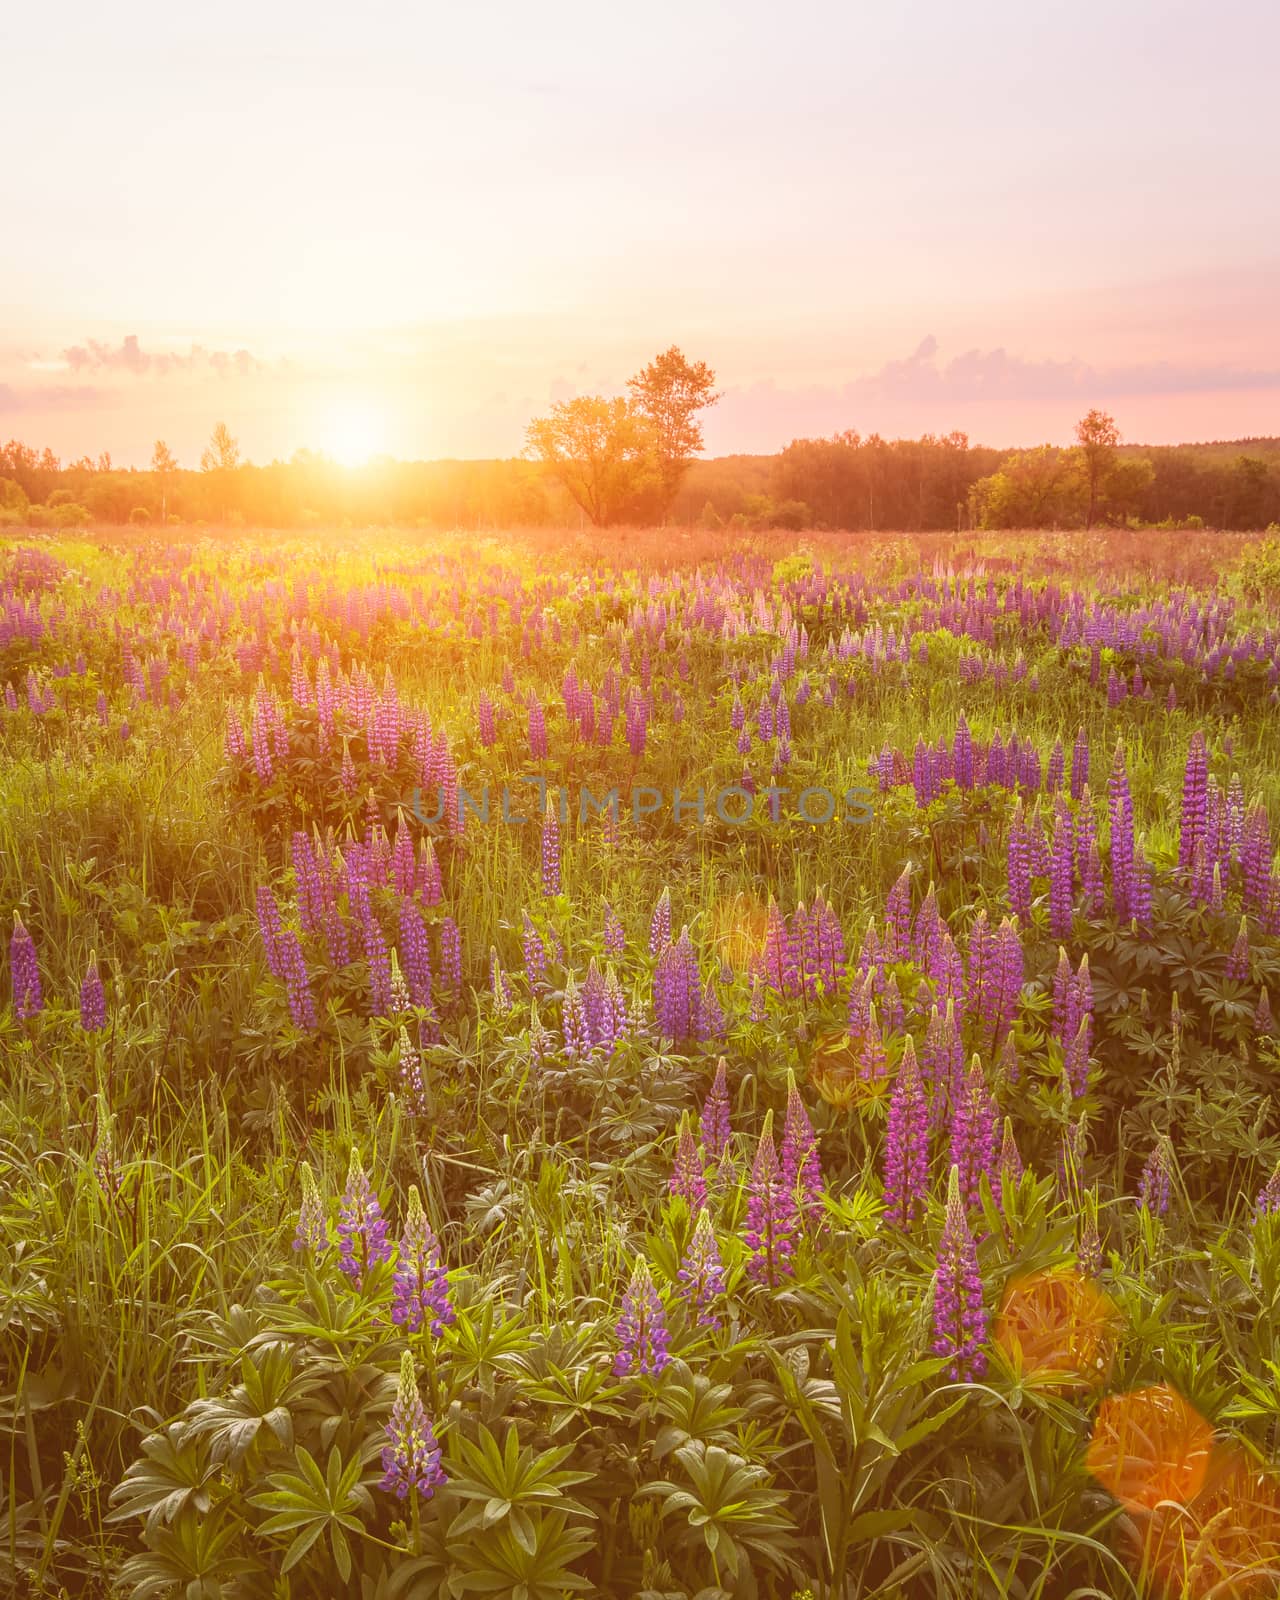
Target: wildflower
<point x="411" y="1457"/>
<point x="1268" y="1203"/>
<point x="550" y="851"/>
<point x="642" y="1327"/>
<point x="714" y="1121"/>
<point x="362" y="1229"/>
<point x="409" y="1064"/>
<point x="311" y="1233"/>
<point x="688" y="1177"/>
<point x="1153" y="1186"/>
<point x="105" y="1166"/>
<point x="451" y="954"/>
<point x="906" y="1147"/>
<point x="28" y="997"/>
<point x="702" y="1272"/>
<point x="421" y="1290"/>
<point x="973" y="1134"/>
<point x="801" y="1167"/>
<point x="771" y="1216"/>
<point x="677" y="990"/>
<point x="959" y="1317"/>
<point x="93" y="999"/>
<point x="615" y="938"/>
<point x="293" y="969"/>
<point x="660" y="924"/>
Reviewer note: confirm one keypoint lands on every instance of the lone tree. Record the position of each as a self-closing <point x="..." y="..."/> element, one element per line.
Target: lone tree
<point x="671" y="391"/>
<point x="604" y="452"/>
<point x="624" y="458"/>
<point x="222" y="453"/>
<point x="1098" y="437"/>
<point x="164" y="464"/>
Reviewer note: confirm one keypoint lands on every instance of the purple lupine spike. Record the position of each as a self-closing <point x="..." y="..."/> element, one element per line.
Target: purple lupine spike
<point x="538" y="747"/>
<point x="1268" y="1202"/>
<point x="615" y="939"/>
<point x="1153" y="1186"/>
<point x="573" y="1022"/>
<point x="312" y="1231"/>
<point x="409" y="1074"/>
<point x="1061" y="875"/>
<point x="710" y="1021"/>
<point x="974" y="1120"/>
<point x="415" y="954"/>
<point x="421" y="1291"/>
<point x="269" y="930"/>
<point x="714" y="1121"/>
<point x="24" y="972"/>
<point x="93" y="999"/>
<point x="897" y="918"/>
<point x="451" y="955"/>
<point x="702" y="1273"/>
<point x="688" y="1177"/>
<point x="1195" y="801"/>
<point x="642" y="1327"/>
<point x="362" y="1230"/>
<point x="959" y="1316"/>
<point x="660" y="924"/>
<point x="1019" y="860"/>
<point x="429" y="880"/>
<point x="677" y="995"/>
<point x="297" y="982"/>
<point x="771" y="1214"/>
<point x="484" y="718"/>
<point x="411" y="1456"/>
<point x="1238" y="960"/>
<point x="1263" y="1020"/>
<point x="962" y="755"/>
<point x="1009" y="1162"/>
<point x="801" y="1165"/>
<point x="906" y="1147"/>
<point x="550" y="850"/>
<point x="535" y="954"/>
<point x="1122" y="843"/>
<point x="1057" y="767"/>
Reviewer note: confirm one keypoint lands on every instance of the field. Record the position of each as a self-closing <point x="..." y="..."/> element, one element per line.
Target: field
<point x="839" y="1164"/>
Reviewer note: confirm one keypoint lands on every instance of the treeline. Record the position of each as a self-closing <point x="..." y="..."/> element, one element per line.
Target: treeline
<point x="848" y="482"/>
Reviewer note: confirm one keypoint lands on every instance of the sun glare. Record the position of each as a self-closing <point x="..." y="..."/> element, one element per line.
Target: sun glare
<point x="354" y="435"/>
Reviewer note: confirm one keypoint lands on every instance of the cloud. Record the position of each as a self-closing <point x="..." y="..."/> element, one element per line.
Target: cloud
<point x="54" y="397"/>
<point x="129" y="356"/>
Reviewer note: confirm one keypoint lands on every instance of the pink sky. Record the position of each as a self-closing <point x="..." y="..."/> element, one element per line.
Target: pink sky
<point x="411" y="231"/>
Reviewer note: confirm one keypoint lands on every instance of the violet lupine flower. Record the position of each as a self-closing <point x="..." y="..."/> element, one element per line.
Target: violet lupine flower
<point x="93" y="999"/>
<point x="24" y="970"/>
<point x="959" y="1317"/>
<point x="1268" y="1202"/>
<point x="1057" y="766"/>
<point x="642" y="1327"/>
<point x="713" y="1124"/>
<point x="411" y="1456"/>
<point x="297" y="983"/>
<point x="550" y="851"/>
<point x="1153" y="1186"/>
<point x="677" y="992"/>
<point x="688" y="1177"/>
<point x="1019" y="860"/>
<point x="269" y="929"/>
<point x="615" y="938"/>
<point x="415" y="954"/>
<point x="1122" y="847"/>
<point x="906" y="1146"/>
<point x="451" y="954"/>
<point x="538" y="746"/>
<point x="801" y="1165"/>
<point x="421" y="1292"/>
<point x="484" y="717"/>
<point x="897" y="919"/>
<point x="1263" y="1020"/>
<point x="1195" y="802"/>
<point x="962" y="755"/>
<point x="660" y="924"/>
<point x="312" y="1231"/>
<point x="1238" y="960"/>
<point x="974" y="1119"/>
<point x="535" y="954"/>
<point x="771" y="1214"/>
<point x="1009" y="1163"/>
<point x="702" y="1273"/>
<point x="362" y="1230"/>
<point x="573" y="1022"/>
<point x="1061" y="875"/>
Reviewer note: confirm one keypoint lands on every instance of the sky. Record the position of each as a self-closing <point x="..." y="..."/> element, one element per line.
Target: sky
<point x="407" y="229"/>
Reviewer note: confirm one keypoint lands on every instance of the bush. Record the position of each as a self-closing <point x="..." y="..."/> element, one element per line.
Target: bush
<point x="139" y="515"/>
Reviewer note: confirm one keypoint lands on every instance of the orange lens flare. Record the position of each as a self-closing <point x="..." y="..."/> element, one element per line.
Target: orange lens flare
<point x="1057" y="1329"/>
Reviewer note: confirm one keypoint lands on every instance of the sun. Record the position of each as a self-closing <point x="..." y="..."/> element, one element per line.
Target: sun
<point x="353" y="435"/>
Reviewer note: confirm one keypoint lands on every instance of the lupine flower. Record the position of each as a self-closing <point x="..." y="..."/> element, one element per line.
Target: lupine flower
<point x="1079" y="765"/>
<point x="642" y="1327"/>
<point x="105" y="1166"/>
<point x="550" y="850"/>
<point x="421" y="1292"/>
<point x="702" y="1272"/>
<point x="1195" y="801"/>
<point x="771" y="1214"/>
<point x="660" y="924"/>
<point x="1153" y="1186"/>
<point x="411" y="1456"/>
<point x="714" y="1121"/>
<point x="415" y="954"/>
<point x="959" y="1317"/>
<point x="1009" y="1165"/>
<point x="451" y="954"/>
<point x="297" y="984"/>
<point x="800" y="1165"/>
<point x="688" y="1177"/>
<point x="615" y="938"/>
<point x="1089" y="1244"/>
<point x="409" y="1068"/>
<point x="906" y="1146"/>
<point x="1238" y="960"/>
<point x="973" y="1134"/>
<point x="1268" y="1203"/>
<point x="537" y="730"/>
<point x="362" y="1229"/>
<point x="677" y="991"/>
<point x="1122" y="845"/>
<point x="1061" y="876"/>
<point x="312" y="1232"/>
<point x="93" y="999"/>
<point x="24" y="970"/>
<point x="1263" y="1020"/>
